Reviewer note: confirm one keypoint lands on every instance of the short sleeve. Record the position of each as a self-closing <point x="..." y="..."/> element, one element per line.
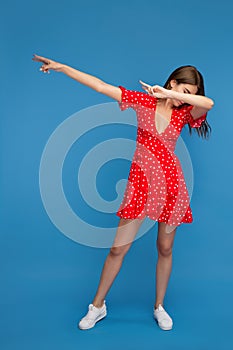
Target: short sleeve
<point x="133" y="99"/>
<point x="194" y="123"/>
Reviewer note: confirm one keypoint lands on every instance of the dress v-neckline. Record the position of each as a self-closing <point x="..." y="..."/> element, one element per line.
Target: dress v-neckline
<point x="169" y="122"/>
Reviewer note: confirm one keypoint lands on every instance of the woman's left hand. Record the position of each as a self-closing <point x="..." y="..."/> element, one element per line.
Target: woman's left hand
<point x="157" y="91"/>
<point x="160" y="92"/>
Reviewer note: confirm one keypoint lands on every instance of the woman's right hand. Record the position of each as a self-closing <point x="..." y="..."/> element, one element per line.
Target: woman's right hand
<point x="48" y="64"/>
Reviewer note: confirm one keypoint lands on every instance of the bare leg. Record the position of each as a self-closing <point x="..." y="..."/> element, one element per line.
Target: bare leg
<point x="164" y="264"/>
<point x="126" y="232"/>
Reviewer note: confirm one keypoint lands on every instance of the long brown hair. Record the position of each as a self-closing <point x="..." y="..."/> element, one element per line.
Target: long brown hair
<point x="190" y="75"/>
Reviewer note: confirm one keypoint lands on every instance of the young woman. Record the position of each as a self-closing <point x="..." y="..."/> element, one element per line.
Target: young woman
<point x="156" y="186"/>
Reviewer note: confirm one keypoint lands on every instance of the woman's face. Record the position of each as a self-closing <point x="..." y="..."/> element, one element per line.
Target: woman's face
<point x="183" y="88"/>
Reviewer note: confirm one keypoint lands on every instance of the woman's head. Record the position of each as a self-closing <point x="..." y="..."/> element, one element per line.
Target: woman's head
<point x="187" y="79"/>
<point x="187" y="75"/>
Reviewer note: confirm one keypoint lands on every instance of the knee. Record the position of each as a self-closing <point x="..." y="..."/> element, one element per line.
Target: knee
<point x="164" y="249"/>
<point x="118" y="252"/>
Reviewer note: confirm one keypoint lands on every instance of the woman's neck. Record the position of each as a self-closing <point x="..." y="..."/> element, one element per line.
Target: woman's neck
<point x="166" y="104"/>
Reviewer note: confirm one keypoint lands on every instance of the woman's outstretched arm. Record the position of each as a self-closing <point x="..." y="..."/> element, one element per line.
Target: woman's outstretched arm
<point x="83" y="78"/>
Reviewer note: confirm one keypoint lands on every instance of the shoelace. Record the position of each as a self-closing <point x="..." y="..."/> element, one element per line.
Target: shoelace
<point x="90" y="315"/>
<point x="161" y="309"/>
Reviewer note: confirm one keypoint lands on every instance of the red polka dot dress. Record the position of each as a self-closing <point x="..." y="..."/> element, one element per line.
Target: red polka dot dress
<point x="156" y="186"/>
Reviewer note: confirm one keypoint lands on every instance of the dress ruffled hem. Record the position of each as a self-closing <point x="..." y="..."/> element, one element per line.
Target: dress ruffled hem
<point x="187" y="219"/>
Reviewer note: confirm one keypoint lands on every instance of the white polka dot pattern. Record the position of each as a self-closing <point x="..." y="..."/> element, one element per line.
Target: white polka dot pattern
<point x="156" y="187"/>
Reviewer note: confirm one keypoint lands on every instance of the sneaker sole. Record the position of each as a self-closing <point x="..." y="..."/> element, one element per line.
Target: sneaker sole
<point x="165" y="328"/>
<point x="162" y="327"/>
<point x="100" y="317"/>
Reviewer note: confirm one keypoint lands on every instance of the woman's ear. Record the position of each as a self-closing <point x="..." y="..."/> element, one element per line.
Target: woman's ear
<point x="173" y="83"/>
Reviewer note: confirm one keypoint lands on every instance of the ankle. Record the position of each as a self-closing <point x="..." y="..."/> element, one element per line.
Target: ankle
<point x="98" y="304"/>
<point x="157" y="304"/>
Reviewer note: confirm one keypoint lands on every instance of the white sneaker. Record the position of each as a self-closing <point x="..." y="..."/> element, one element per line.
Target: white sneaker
<point x="93" y="315"/>
<point x="161" y="316"/>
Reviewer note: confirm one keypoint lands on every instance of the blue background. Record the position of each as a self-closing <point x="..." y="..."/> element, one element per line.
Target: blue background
<point x="47" y="280"/>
